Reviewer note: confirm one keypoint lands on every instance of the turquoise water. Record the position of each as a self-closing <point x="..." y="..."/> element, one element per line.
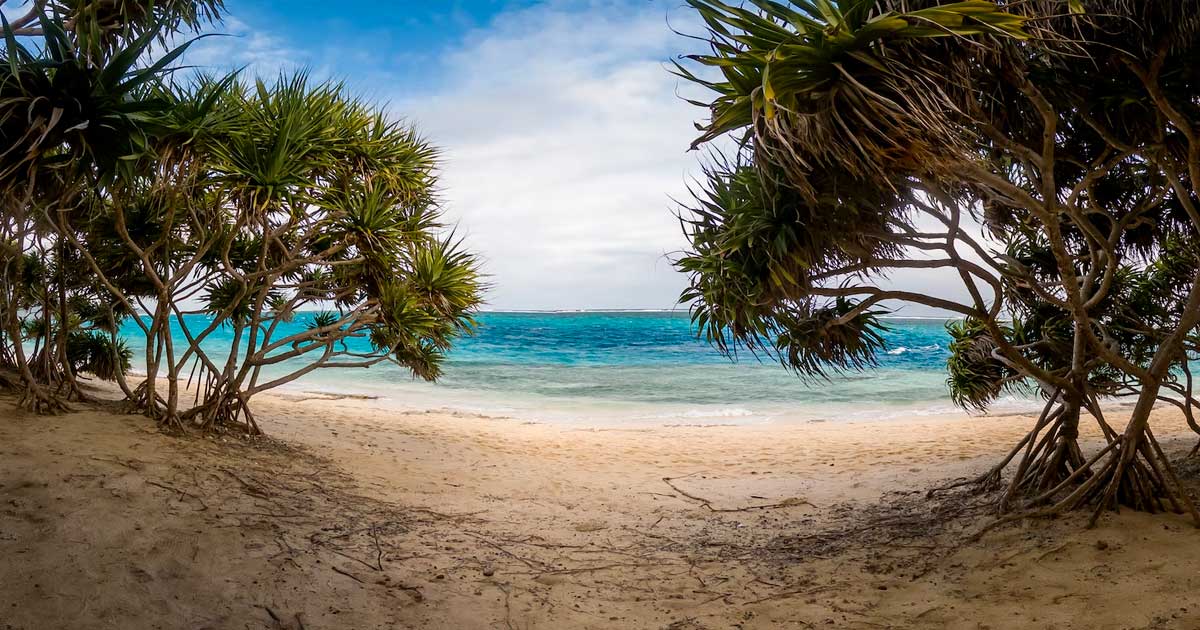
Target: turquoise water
<point x="639" y="366"/>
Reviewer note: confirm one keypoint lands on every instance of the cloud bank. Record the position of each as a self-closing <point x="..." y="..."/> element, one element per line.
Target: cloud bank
<point x="564" y="139"/>
<point x="564" y="145"/>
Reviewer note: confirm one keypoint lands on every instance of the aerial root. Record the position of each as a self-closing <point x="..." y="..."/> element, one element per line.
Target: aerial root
<point x="36" y="399"/>
<point x="987" y="482"/>
<point x="171" y="423"/>
<point x="68" y="389"/>
<point x="1142" y="479"/>
<point x="220" y="412"/>
<point x="141" y="402"/>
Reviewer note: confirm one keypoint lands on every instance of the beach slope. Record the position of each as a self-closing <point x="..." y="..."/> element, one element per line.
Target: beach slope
<point x="356" y="516"/>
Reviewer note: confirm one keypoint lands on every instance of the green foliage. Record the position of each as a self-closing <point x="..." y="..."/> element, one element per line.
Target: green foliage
<point x="823" y="84"/>
<point x="757" y="247"/>
<point x="95" y="353"/>
<point x="977" y="376"/>
<point x="872" y="135"/>
<point x="103" y="24"/>
<point x="65" y="109"/>
<point x="133" y="185"/>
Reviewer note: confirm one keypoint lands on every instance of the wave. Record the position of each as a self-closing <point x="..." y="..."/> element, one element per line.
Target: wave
<point x="647" y="364"/>
<point x="904" y="349"/>
<point x="581" y="311"/>
<point x="729" y="412"/>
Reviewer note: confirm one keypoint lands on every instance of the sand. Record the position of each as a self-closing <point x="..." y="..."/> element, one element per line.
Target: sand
<point x="358" y="516"/>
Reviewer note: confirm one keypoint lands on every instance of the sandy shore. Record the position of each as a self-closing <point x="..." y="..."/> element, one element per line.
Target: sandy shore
<point x="362" y="517"/>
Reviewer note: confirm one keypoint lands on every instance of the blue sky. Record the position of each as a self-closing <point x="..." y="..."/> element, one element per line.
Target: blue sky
<point x="365" y="41"/>
<point x="563" y="135"/>
<point x="564" y="139"/>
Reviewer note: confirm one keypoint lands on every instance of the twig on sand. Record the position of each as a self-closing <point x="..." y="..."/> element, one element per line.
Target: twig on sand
<point x="580" y="570"/>
<point x="267" y="514"/>
<point x="350" y="557"/>
<point x="348" y="574"/>
<point x="705" y="503"/>
<point x="251" y="489"/>
<point x="411" y="590"/>
<point x="527" y="562"/>
<point x="182" y="493"/>
<point x="507" y="606"/>
<point x="786" y="594"/>
<point x="132" y="464"/>
<point x="378" y="550"/>
<point x="1053" y="551"/>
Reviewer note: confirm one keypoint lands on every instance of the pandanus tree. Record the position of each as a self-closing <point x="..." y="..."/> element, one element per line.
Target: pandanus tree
<point x="71" y="334"/>
<point x="73" y="108"/>
<point x="298" y="219"/>
<point x="331" y="253"/>
<point x="1041" y="155"/>
<point x="293" y="215"/>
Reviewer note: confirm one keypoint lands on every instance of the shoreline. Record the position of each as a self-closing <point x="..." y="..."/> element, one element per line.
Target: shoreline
<point x="574" y="411"/>
<point x="579" y="367"/>
<point x="615" y="414"/>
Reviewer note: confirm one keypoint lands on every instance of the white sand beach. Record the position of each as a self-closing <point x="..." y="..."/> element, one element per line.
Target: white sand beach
<point x="354" y="516"/>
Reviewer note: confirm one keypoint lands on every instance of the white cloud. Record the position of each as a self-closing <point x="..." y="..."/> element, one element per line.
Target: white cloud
<point x="563" y="140"/>
<point x="239" y="45"/>
<point x="564" y="143"/>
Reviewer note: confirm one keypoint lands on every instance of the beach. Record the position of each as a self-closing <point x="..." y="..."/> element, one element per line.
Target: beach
<point x="356" y="515"/>
<point x="600" y="314"/>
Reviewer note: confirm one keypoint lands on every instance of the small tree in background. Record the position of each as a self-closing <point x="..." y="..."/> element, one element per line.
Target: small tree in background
<point x="1044" y="154"/>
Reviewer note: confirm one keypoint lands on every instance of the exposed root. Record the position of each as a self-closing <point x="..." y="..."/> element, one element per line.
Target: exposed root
<point x="1130" y="472"/>
<point x="222" y="412"/>
<point x="9" y="381"/>
<point x="1047" y="460"/>
<point x="142" y="403"/>
<point x="171" y="423"/>
<point x="705" y="503"/>
<point x="36" y="399"/>
<point x="987" y="482"/>
<point x="68" y="389"/>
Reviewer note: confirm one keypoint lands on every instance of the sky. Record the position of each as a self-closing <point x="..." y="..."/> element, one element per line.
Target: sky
<point x="563" y="135"/>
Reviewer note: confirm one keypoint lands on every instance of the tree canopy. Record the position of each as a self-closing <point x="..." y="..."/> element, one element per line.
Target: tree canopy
<point x="1042" y="155"/>
<point x="301" y="220"/>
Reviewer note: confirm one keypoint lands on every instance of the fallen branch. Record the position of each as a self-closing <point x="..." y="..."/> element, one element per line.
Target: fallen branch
<point x="184" y="493"/>
<point x="347" y="574"/>
<point x="791" y="502"/>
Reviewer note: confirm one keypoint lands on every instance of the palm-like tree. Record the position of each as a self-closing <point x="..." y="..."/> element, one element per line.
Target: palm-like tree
<point x="75" y="112"/>
<point x="872" y="136"/>
<point x="260" y="199"/>
<point x="856" y="86"/>
<point x="328" y="205"/>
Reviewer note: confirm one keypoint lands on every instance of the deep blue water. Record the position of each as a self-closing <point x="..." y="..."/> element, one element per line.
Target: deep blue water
<point x="641" y="366"/>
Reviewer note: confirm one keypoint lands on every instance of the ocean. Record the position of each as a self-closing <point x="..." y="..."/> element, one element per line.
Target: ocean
<point x="647" y="367"/>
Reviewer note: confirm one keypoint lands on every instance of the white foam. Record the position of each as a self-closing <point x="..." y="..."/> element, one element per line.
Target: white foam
<point x="728" y="412"/>
<point x="903" y="349"/>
